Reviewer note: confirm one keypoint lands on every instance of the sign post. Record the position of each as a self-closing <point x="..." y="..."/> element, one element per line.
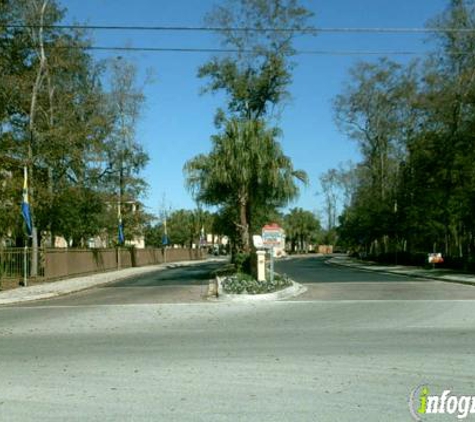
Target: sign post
<point x="261" y="257"/>
<point x="261" y="265"/>
<point x="262" y="250"/>
<point x="271" y="250"/>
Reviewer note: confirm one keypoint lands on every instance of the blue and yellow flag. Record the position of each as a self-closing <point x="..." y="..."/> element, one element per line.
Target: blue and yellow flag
<point x="165" y="240"/>
<point x="120" y="237"/>
<point x="25" y="205"/>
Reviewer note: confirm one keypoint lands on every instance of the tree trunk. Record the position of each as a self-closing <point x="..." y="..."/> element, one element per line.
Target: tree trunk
<point x="244" y="225"/>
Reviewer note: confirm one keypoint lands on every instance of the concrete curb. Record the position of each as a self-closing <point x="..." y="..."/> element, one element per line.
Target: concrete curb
<point x="74" y="285"/>
<point x="454" y="278"/>
<point x="215" y="293"/>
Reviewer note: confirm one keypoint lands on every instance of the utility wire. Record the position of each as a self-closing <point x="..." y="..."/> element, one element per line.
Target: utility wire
<point x="307" y="30"/>
<point x="230" y="51"/>
<point x="224" y="50"/>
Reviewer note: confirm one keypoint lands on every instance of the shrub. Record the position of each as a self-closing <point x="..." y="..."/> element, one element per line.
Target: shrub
<point x="242" y="262"/>
<point x="245" y="284"/>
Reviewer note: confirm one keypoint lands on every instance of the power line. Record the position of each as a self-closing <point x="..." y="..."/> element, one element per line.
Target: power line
<point x="219" y="50"/>
<point x="307" y="30"/>
<point x="233" y="51"/>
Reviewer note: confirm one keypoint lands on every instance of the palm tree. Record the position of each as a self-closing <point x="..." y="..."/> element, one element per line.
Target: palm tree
<point x="245" y="169"/>
<point x="301" y="227"/>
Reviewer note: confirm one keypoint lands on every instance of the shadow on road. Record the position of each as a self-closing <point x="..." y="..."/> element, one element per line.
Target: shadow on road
<point x="184" y="276"/>
<point x="315" y="269"/>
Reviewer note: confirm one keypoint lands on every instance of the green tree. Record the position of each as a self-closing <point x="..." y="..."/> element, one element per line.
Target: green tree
<point x="247" y="173"/>
<point x="377" y="110"/>
<point x="184" y="228"/>
<point x="425" y="139"/>
<point x="181" y="228"/>
<point x="57" y="118"/>
<point x="302" y="228"/>
<point x="255" y="79"/>
<point x="122" y="155"/>
<point x="247" y="169"/>
<point x="448" y="137"/>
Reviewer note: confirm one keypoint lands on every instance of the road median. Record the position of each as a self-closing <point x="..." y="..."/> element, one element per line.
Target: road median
<point x="217" y="293"/>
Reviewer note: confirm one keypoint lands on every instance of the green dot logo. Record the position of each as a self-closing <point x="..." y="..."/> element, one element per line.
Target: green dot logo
<point x="418" y="401"/>
<point x="423" y="400"/>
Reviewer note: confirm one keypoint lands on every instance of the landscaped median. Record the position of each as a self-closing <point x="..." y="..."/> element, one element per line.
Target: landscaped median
<point x="243" y="287"/>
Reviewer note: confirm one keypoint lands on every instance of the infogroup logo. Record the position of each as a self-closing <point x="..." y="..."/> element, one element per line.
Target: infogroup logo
<point x="423" y="404"/>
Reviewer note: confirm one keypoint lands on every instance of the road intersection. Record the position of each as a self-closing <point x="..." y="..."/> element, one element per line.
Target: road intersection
<point x="118" y="353"/>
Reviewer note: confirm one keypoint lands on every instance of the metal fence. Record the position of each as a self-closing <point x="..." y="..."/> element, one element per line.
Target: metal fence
<point x="16" y="264"/>
<point x="16" y="267"/>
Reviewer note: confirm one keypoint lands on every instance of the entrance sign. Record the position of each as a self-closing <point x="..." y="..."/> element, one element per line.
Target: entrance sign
<point x="272" y="235"/>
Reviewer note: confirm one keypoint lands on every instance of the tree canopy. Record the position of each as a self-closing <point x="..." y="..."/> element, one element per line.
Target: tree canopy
<point x="70" y="120"/>
<point x="414" y="124"/>
<point x="246" y="173"/>
<point x="247" y="169"/>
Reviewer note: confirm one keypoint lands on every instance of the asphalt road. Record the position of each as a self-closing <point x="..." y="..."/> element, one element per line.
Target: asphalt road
<point x="330" y="282"/>
<point x="177" y="285"/>
<point x="117" y="359"/>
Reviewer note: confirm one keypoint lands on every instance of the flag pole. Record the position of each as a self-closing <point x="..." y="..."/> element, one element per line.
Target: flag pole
<point x="119" y="236"/>
<point x="25" y="210"/>
<point x="25" y="266"/>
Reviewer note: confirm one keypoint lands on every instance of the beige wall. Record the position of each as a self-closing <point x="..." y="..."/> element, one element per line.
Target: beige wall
<point x="325" y="249"/>
<point x="64" y="263"/>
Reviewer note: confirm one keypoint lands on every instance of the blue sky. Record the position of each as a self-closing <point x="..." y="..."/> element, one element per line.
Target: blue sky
<point x="177" y="122"/>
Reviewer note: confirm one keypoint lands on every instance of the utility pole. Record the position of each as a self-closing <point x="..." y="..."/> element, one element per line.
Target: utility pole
<point x="122" y="147"/>
<point x="165" y="238"/>
<point x="119" y="226"/>
<point x="40" y="74"/>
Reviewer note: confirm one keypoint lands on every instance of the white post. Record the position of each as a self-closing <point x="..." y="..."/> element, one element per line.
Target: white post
<point x="272" y="264"/>
<point x="261" y="265"/>
<point x="34" y="252"/>
<point x="25" y="266"/>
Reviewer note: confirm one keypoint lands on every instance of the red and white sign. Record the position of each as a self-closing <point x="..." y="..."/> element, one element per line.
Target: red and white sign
<point x="272" y="235"/>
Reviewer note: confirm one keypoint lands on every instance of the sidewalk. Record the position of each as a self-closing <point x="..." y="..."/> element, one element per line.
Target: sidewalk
<point x="63" y="287"/>
<point x="418" y="272"/>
